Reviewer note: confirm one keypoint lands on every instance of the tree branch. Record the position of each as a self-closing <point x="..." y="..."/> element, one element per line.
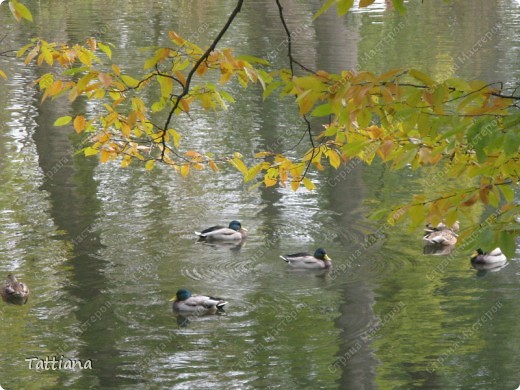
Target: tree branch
<point x="203" y="58"/>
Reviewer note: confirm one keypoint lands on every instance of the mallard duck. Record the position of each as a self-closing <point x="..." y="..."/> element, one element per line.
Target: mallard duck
<point x="234" y="232"/>
<point x="183" y="301"/>
<point x="494" y="257"/>
<point x="441" y="237"/>
<point x="319" y="260"/>
<point x="14" y="292"/>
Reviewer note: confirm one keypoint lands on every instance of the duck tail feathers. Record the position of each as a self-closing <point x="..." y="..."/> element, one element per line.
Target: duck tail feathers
<point x="284" y="258"/>
<point x="221" y="305"/>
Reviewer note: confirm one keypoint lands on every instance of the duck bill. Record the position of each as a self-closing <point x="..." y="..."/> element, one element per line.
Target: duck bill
<point x="244" y="229"/>
<point x="326" y="257"/>
<point x="174" y="299"/>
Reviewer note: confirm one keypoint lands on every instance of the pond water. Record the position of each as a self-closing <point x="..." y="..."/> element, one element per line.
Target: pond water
<point x="104" y="248"/>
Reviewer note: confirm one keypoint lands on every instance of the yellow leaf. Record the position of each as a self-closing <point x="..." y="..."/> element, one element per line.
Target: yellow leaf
<point x="185" y="170"/>
<point x="295" y="185"/>
<point x="55" y="88"/>
<point x="365" y="3"/>
<point x="149" y="165"/>
<point x="176" y="38"/>
<point x="239" y="164"/>
<point x="334" y="158"/>
<point x="85" y="57"/>
<point x="126" y="161"/>
<point x="130" y="81"/>
<point x="116" y="69"/>
<point x="308" y="184"/>
<point x="79" y="123"/>
<point x="176" y="137"/>
<point x="2" y="74"/>
<point x="166" y="85"/>
<point x="105" y="156"/>
<point x="99" y="94"/>
<point x="269" y="181"/>
<point x="262" y="154"/>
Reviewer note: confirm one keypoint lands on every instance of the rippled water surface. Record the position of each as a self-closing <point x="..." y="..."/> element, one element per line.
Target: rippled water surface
<point x="104" y="248"/>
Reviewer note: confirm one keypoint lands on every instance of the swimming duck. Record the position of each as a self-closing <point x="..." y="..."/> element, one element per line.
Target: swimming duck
<point x="14" y="292"/>
<point x="234" y="232"/>
<point x="319" y="260"/>
<point x="441" y="234"/>
<point x="183" y="301"/>
<point x="494" y="257"/>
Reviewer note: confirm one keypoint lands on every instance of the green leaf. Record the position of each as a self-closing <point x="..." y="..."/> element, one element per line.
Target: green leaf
<point x="344" y="6"/>
<point x="150" y="62"/>
<point x="459" y="84"/>
<point x="351" y="149"/>
<point x="22" y="50"/>
<point x="511" y="142"/>
<point x="62" y="121"/>
<point x="508" y="192"/>
<point x="506" y="242"/>
<point x="323" y="8"/>
<point x="484" y="239"/>
<point x="422" y="77"/>
<point x="90" y="151"/>
<point x="227" y="96"/>
<point x="404" y="158"/>
<point x="106" y="49"/>
<point x="253" y="59"/>
<point x="379" y="214"/>
<point x="399" y="6"/>
<point x="270" y="88"/>
<point x="453" y="131"/>
<point x="251" y="173"/>
<point x="322" y="110"/>
<point x="22" y="10"/>
<point x="364" y="117"/>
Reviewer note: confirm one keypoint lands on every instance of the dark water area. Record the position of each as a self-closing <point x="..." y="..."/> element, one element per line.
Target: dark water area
<point x="104" y="248"/>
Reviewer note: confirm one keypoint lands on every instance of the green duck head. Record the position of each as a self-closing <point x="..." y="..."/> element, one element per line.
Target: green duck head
<point x="235" y="225"/>
<point x="181" y="295"/>
<point x="477" y="253"/>
<point x="321" y="254"/>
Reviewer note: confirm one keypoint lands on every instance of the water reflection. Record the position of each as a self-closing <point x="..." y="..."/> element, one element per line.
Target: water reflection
<point x="107" y="247"/>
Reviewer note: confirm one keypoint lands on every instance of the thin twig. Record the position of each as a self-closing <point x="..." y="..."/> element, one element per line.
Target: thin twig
<point x="203" y="58"/>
